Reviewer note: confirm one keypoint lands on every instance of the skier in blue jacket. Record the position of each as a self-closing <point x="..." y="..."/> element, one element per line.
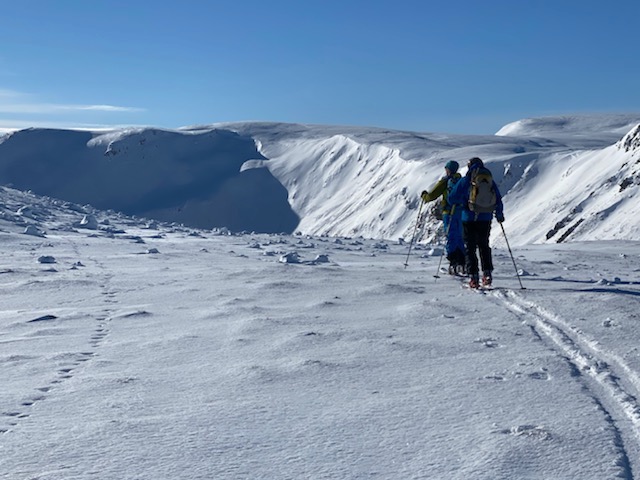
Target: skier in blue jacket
<point x="451" y="218"/>
<point x="476" y="221"/>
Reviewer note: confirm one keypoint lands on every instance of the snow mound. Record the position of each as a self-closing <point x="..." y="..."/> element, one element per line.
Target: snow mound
<point x="601" y="128"/>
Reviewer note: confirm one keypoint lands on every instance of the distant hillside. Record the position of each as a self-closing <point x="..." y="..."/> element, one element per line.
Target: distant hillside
<point x="563" y="178"/>
<point x="578" y="130"/>
<point x="195" y="179"/>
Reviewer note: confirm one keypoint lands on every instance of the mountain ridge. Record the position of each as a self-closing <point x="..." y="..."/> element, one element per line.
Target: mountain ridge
<point x="578" y="181"/>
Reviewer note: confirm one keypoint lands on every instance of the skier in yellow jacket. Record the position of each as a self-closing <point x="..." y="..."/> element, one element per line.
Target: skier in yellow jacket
<point x="451" y="218"/>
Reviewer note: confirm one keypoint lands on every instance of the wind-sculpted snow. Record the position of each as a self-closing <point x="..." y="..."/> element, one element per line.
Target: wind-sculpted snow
<point x="563" y="179"/>
<point x="579" y="131"/>
<point x="631" y="141"/>
<point x="194" y="179"/>
<point x="367" y="182"/>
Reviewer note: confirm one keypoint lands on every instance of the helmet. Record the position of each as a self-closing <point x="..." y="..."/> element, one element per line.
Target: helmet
<point x="475" y="162"/>
<point x="452" y="166"/>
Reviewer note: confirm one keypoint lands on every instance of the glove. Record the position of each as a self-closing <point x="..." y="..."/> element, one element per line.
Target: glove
<point x="424" y="195"/>
<point x="499" y="217"/>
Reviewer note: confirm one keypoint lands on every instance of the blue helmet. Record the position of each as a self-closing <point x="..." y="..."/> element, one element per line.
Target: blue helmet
<point x="452" y="166"/>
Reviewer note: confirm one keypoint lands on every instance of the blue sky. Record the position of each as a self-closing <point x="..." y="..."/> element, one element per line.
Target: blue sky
<point x="457" y="66"/>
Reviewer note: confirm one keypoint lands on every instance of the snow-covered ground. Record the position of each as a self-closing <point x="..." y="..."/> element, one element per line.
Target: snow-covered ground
<point x="153" y="351"/>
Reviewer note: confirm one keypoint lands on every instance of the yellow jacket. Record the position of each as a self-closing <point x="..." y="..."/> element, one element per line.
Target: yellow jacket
<point x="441" y="189"/>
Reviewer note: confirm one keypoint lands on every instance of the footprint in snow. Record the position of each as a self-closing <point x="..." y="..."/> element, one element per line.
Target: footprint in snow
<point x="487" y="342"/>
<point x="542" y="375"/>
<point x="527" y="431"/>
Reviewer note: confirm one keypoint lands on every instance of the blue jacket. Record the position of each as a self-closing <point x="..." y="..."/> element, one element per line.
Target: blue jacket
<point x="459" y="196"/>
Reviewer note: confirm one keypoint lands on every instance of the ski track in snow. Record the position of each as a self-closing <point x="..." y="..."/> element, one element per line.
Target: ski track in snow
<point x="614" y="386"/>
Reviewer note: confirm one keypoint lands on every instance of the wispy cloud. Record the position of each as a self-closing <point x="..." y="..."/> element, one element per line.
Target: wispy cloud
<point x="53" y="108"/>
<point x="12" y="101"/>
<point x="8" y="93"/>
<point x="101" y="108"/>
<point x="26" y="112"/>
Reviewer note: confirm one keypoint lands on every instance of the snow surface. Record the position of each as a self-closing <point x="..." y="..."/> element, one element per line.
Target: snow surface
<point x="132" y="347"/>
<point x="147" y="350"/>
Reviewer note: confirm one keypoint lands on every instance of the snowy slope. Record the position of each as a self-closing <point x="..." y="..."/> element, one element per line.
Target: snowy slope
<point x="194" y="179"/>
<point x="581" y="130"/>
<point x="587" y="195"/>
<point x="563" y="178"/>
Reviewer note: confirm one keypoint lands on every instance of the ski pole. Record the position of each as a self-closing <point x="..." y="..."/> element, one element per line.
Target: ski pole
<point x="446" y="235"/>
<point x="406" y="263"/>
<point x="511" y="253"/>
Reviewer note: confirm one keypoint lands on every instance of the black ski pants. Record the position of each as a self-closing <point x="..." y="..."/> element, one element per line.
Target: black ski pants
<point x="476" y="237"/>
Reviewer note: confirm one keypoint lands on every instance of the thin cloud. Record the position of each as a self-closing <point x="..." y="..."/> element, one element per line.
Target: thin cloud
<point x="13" y="101"/>
<point x="8" y="93"/>
<point x="53" y="108"/>
<point x="103" y="108"/>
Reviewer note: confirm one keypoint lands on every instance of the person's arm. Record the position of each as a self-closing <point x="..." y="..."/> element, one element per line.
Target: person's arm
<point x="437" y="191"/>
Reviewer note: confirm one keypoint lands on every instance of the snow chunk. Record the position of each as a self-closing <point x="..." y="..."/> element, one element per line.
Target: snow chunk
<point x="321" y="259"/>
<point x="88" y="221"/>
<point x="46" y="259"/>
<point x="34" y="231"/>
<point x="291" y="257"/>
<point x="525" y="273"/>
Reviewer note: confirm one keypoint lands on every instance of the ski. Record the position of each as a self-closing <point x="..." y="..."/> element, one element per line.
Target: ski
<point x="447" y="272"/>
<point x="480" y="288"/>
